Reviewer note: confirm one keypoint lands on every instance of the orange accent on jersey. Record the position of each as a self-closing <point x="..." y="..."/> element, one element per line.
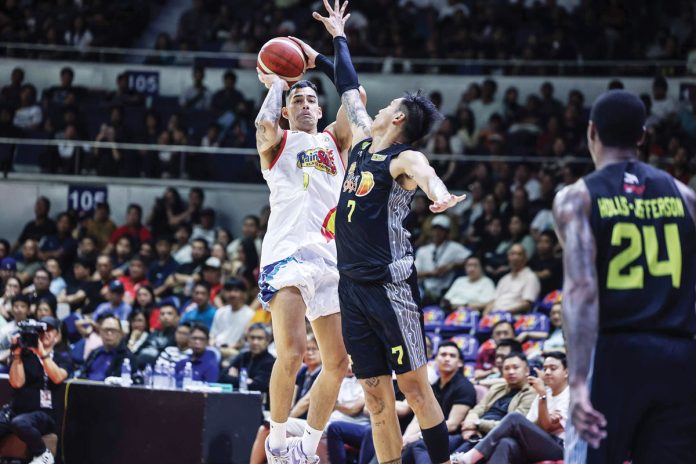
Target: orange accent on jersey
<point x="328" y="228"/>
<point x="367" y="183"/>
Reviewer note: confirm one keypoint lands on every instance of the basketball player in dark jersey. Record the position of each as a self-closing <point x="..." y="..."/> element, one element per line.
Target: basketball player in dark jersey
<point x="628" y="306"/>
<point x="382" y="322"/>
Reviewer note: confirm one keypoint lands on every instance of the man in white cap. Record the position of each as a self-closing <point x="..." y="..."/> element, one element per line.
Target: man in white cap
<point x="437" y="260"/>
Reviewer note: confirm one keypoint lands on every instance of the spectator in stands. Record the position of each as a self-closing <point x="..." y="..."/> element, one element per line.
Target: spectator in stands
<point x="80" y="290"/>
<point x="474" y="290"/>
<point x="135" y="278"/>
<point x="517" y="291"/>
<point x="121" y="254"/>
<point x="163" y="45"/>
<point x="61" y="245"/>
<point x="164" y="265"/>
<point x="29" y="115"/>
<point x="200" y="309"/>
<point x="115" y="304"/>
<point x="181" y="249"/>
<point x="503" y="348"/>
<point x="106" y="361"/>
<point x="78" y="35"/>
<point x="12" y="288"/>
<point x="181" y="350"/>
<point x="305" y="378"/>
<point x="487" y="105"/>
<point x="101" y="227"/>
<point x="687" y="115"/>
<point x="192" y="214"/>
<point x="5" y="249"/>
<point x="437" y="261"/>
<point x="32" y="372"/>
<point x="227" y="331"/>
<point x="188" y="272"/>
<point x="547" y="267"/>
<point x="40" y="289"/>
<point x="161" y="338"/>
<point x="485" y="359"/>
<point x="550" y="106"/>
<point x="555" y="342"/>
<point x="518" y="233"/>
<point x="198" y="96"/>
<point x="455" y="395"/>
<point x="227" y="98"/>
<point x="10" y="95"/>
<point x="45" y="308"/>
<point x="30" y="262"/>
<point x="57" y="284"/>
<point x="194" y="24"/>
<point x="133" y="227"/>
<point x="124" y="95"/>
<point x="20" y="312"/>
<point x="211" y="274"/>
<point x="537" y="437"/>
<point x="108" y="161"/>
<point x="257" y="361"/>
<point x="515" y="395"/>
<point x="42" y="225"/>
<point x="139" y="330"/>
<point x="145" y="300"/>
<point x="206" y="367"/>
<point x="56" y="95"/>
<point x="206" y="228"/>
<point x="102" y="280"/>
<point x="165" y="207"/>
<point x="664" y="107"/>
<point x="87" y="249"/>
<point x="251" y="226"/>
<point x="8" y="269"/>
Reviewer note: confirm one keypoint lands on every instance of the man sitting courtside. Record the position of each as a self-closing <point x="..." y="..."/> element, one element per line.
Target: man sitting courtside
<point x="106" y="361"/>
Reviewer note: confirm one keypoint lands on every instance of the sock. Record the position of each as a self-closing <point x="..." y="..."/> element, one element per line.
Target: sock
<point x="437" y="440"/>
<point x="277" y="441"/>
<point x="310" y="440"/>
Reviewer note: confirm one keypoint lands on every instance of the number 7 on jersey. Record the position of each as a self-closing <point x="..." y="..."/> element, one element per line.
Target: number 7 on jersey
<point x="351" y="205"/>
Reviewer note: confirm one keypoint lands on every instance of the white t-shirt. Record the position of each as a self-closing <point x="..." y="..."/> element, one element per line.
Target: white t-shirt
<point x="542" y="221"/>
<point x="663" y="108"/>
<point x="183" y="254"/>
<point x="350" y="391"/>
<point x="429" y="257"/>
<point x="25" y="118"/>
<point x="484" y="111"/>
<point x="228" y="325"/>
<point x="463" y="291"/>
<point x="514" y="288"/>
<point x="553" y="403"/>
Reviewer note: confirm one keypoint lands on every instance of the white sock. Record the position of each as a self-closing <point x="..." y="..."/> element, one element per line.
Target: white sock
<point x="277" y="441"/>
<point x="310" y="440"/>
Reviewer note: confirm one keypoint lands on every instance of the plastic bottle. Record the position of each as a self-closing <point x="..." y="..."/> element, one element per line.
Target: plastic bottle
<point x="158" y="378"/>
<point x="171" y="376"/>
<point x="243" y="377"/>
<point x="126" y="371"/>
<point x="147" y="377"/>
<point x="188" y="375"/>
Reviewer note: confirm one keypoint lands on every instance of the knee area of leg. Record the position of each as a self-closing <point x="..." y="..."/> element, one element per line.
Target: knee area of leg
<point x="507" y="443"/>
<point x="17" y="423"/>
<point x="291" y="356"/>
<point x="414" y="395"/>
<point x="377" y="405"/>
<point x="339" y="366"/>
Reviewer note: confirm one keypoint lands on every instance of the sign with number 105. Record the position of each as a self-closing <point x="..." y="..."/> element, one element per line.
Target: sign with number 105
<point x="85" y="197"/>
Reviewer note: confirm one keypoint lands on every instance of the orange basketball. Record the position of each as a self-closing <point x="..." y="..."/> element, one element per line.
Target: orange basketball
<point x="284" y="57"/>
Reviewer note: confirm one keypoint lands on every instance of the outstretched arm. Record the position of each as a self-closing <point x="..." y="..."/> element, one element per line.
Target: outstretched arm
<point x="345" y="77"/>
<point x="416" y="167"/>
<point x="571" y="211"/>
<point x="268" y="131"/>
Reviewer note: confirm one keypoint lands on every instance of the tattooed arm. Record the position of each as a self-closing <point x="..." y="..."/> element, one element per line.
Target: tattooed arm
<point x="268" y="133"/>
<point x="418" y="173"/>
<point x="358" y="119"/>
<point x="571" y="211"/>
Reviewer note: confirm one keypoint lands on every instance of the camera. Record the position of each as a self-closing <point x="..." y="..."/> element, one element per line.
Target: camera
<point x="29" y="332"/>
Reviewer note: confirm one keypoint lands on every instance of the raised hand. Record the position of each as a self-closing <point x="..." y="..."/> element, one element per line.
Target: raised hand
<point x="308" y="51"/>
<point x="588" y="422"/>
<point x="335" y="22"/>
<point x="269" y="79"/>
<point x="446" y="202"/>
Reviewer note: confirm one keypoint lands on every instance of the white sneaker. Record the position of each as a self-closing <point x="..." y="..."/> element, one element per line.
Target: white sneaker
<point x="458" y="458"/>
<point x="44" y="458"/>
<point x="293" y="454"/>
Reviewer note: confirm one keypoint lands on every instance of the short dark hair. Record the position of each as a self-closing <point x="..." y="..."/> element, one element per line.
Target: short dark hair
<point x="43" y="269"/>
<point x="46" y="201"/>
<point x="550" y="234"/>
<point x="515" y="346"/>
<point x="231" y="75"/>
<point x="451" y="344"/>
<point x="84" y="262"/>
<point x="67" y="70"/>
<point x="199" y="68"/>
<point x="201" y="240"/>
<point x="619" y="117"/>
<point x="519" y="355"/>
<point x="261" y="326"/>
<point x="235" y="284"/>
<point x="421" y="114"/>
<point x="136" y="207"/>
<point x="504" y="321"/>
<point x="21" y="298"/>
<point x="169" y="304"/>
<point x="254" y="218"/>
<point x="660" y="81"/>
<point x="203" y="284"/>
<point x="558" y="355"/>
<point x="108" y="315"/>
<point x="198" y="191"/>
<point x="301" y="84"/>
<point x="200" y="328"/>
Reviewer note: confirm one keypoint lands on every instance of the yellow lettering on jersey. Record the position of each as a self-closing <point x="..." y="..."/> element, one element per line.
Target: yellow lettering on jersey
<point x="653" y="208"/>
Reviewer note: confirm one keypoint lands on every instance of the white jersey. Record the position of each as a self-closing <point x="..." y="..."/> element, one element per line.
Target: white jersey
<point x="305" y="181"/>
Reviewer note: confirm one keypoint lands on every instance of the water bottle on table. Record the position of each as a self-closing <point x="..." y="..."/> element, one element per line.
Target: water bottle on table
<point x="188" y="375"/>
<point x="243" y="379"/>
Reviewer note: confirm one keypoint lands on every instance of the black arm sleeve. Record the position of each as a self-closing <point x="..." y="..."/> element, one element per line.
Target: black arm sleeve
<point x="344" y="72"/>
<point x="325" y="65"/>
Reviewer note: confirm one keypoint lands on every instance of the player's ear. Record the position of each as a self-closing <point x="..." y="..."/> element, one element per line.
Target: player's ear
<point x="321" y="113"/>
<point x="643" y="137"/>
<point x="399" y="118"/>
<point x="284" y="112"/>
<point x="591" y="131"/>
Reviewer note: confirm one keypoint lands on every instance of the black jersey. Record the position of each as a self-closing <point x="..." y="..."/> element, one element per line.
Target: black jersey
<point x="372" y="243"/>
<point x="646" y="250"/>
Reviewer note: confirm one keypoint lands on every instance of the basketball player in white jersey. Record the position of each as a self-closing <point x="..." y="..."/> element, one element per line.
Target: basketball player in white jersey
<point x="304" y="170"/>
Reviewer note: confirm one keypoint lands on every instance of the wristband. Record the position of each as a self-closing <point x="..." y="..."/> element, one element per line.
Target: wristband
<point x="325" y="65"/>
<point x="542" y="397"/>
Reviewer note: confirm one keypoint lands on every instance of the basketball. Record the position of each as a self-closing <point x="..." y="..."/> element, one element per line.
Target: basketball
<point x="284" y="57"/>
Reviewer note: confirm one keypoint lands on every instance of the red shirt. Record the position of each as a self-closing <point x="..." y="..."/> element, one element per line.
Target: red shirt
<point x="141" y="234"/>
<point x="130" y="287"/>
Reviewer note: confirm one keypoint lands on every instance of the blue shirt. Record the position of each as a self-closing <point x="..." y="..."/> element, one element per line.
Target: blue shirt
<point x="100" y="365"/>
<point x="122" y="311"/>
<point x="205" y="317"/>
<point x="159" y="272"/>
<point x="205" y="368"/>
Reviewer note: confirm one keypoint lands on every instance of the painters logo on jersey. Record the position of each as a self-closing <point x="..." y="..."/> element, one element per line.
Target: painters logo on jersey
<point x="328" y="228"/>
<point x="318" y="158"/>
<point x="378" y="157"/>
<point x="632" y="184"/>
<point x="367" y="182"/>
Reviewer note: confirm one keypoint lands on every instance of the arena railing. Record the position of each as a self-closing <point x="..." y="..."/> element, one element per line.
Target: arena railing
<point x="512" y="66"/>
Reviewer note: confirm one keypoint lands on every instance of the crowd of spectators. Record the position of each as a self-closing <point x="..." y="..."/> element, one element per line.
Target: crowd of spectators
<point x="465" y="29"/>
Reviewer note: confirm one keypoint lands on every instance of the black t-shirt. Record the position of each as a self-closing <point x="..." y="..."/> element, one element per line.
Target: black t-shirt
<point x="28" y="398"/>
<point x="35" y="297"/>
<point x="94" y="296"/>
<point x="37" y="232"/>
<point x="552" y="264"/>
<point x="457" y="391"/>
<point x="499" y="409"/>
